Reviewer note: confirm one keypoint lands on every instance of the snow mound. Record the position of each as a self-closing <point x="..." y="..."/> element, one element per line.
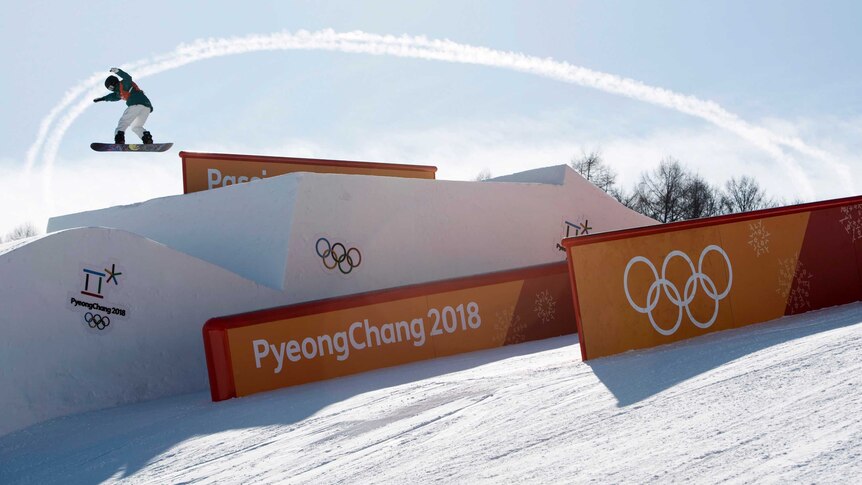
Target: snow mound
<point x="53" y="362"/>
<point x="108" y="307"/>
<point x="407" y="230"/>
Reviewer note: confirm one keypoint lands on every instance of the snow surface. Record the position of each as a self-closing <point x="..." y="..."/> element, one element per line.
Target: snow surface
<point x="776" y="402"/>
<point x="53" y="364"/>
<point x="408" y="231"/>
<point x="185" y="259"/>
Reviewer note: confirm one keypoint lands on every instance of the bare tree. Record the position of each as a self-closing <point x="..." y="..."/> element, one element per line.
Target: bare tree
<point x="22" y="231"/>
<point x="744" y="195"/>
<point x="784" y="202"/>
<point x="627" y="199"/>
<point x="593" y="168"/>
<point x="484" y="174"/>
<point x="661" y="194"/>
<point x="671" y="193"/>
<point x="700" y="198"/>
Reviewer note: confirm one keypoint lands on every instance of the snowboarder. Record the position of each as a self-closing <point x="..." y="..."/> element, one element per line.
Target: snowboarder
<point x="138" y="106"/>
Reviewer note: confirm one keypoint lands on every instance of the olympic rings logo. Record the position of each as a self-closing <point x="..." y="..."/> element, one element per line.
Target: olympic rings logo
<point x="338" y="256"/>
<point x="697" y="280"/>
<point x="96" y="320"/>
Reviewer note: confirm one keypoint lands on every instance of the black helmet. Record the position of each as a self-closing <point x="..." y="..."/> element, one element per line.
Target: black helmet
<point x="111" y="82"/>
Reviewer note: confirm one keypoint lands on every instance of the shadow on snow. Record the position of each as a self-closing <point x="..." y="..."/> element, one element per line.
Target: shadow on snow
<point x="637" y="375"/>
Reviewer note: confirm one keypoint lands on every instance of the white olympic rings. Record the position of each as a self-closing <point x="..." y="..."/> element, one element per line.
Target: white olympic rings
<point x="696" y="280"/>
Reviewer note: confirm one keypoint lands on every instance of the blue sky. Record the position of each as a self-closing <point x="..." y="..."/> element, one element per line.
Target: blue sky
<point x="788" y="67"/>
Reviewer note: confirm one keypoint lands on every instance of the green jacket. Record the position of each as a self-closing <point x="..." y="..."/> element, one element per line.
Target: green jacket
<point x="129" y="91"/>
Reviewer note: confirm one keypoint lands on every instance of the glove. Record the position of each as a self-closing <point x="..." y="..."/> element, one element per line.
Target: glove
<point x="114" y="70"/>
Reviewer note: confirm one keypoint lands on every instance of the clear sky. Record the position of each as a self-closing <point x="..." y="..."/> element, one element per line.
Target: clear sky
<point x="784" y="72"/>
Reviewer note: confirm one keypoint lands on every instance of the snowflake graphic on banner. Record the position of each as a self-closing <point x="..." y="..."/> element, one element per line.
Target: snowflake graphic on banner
<point x="758" y="238"/>
<point x="852" y="221"/>
<point x="508" y="323"/>
<point x="545" y="307"/>
<point x="794" y="283"/>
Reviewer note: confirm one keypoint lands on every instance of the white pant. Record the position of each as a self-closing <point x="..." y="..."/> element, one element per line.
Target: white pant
<point x="134" y="117"/>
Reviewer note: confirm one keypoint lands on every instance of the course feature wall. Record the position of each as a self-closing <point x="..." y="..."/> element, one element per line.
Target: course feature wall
<point x="639" y="288"/>
<point x="307" y="342"/>
<point x="205" y="171"/>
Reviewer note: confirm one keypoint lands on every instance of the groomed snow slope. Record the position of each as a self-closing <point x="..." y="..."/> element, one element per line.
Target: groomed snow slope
<point x="778" y="402"/>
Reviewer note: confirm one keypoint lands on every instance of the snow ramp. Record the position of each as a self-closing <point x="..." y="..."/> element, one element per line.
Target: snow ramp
<point x="386" y="232"/>
<point x="97" y="317"/>
<point x="108" y="307"/>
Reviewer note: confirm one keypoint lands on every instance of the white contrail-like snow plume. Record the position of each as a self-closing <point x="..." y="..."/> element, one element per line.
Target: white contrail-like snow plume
<point x="441" y="50"/>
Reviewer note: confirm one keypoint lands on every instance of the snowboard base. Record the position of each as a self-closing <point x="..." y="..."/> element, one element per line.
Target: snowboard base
<point x="132" y="147"/>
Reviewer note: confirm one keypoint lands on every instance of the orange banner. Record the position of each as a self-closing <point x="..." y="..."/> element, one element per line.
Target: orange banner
<point x="644" y="287"/>
<point x="309" y="342"/>
<point x="205" y="171"/>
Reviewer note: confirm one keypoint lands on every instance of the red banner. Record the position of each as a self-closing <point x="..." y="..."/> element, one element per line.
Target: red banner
<point x="644" y="287"/>
<point x="291" y="345"/>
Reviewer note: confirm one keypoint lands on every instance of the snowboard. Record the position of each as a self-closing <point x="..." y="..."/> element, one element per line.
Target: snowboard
<point x="133" y="147"/>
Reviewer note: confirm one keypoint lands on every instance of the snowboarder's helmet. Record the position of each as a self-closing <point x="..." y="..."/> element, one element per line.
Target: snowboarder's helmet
<point x="111" y="82"/>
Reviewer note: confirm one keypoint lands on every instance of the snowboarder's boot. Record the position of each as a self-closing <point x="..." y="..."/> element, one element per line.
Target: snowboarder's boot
<point x="120" y="138"/>
<point x="147" y="138"/>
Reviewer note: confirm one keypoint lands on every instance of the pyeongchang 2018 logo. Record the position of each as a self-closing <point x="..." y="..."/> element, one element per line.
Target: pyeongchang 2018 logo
<point x="93" y="300"/>
<point x="698" y="281"/>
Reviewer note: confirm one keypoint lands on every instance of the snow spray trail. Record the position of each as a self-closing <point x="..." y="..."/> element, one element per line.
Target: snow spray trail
<point x="430" y="49"/>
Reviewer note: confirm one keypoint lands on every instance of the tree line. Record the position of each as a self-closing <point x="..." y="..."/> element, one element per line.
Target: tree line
<point x="20" y="232"/>
<point x="672" y="193"/>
